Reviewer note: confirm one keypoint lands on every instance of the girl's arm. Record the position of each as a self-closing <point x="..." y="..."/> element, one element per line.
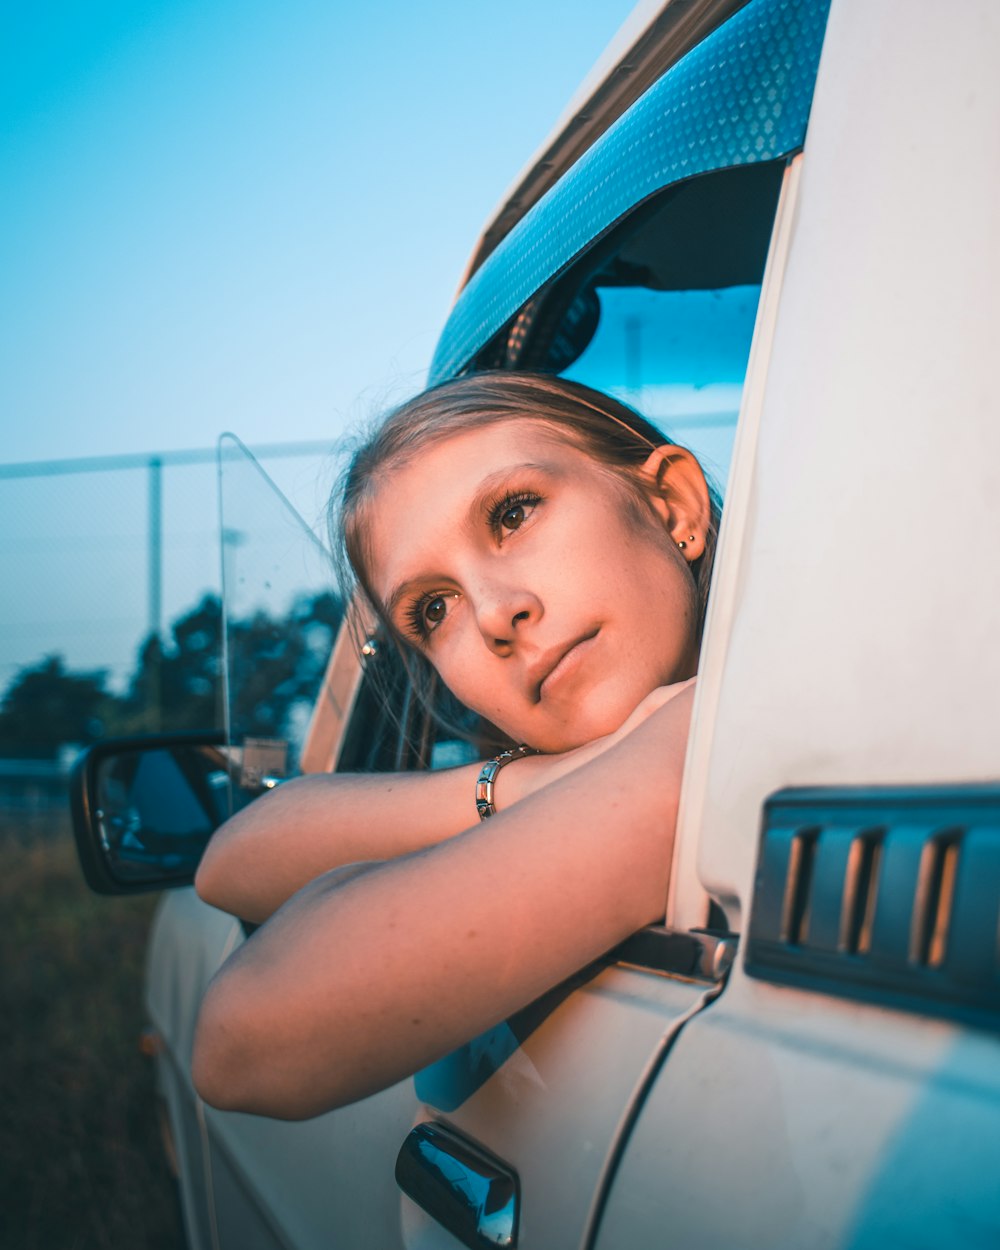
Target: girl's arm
<point x="260" y="857"/>
<point x="273" y="847"/>
<point x="353" y="985"/>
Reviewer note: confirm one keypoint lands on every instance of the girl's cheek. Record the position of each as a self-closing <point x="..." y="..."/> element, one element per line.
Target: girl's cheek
<point x="453" y="665"/>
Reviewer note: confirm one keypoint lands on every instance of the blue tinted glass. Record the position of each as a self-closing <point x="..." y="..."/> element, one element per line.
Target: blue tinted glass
<point x="679" y="358"/>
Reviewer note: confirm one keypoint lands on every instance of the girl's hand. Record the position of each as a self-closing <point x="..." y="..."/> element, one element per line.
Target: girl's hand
<point x="536" y="771"/>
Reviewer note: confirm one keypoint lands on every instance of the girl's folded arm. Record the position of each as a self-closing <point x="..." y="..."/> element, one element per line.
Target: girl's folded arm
<point x="353" y="985"/>
<point x="306" y="827"/>
<point x="259" y="858"/>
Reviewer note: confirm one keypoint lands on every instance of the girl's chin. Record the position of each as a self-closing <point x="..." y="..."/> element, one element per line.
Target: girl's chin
<point x="569" y="738"/>
<point x="593" y="717"/>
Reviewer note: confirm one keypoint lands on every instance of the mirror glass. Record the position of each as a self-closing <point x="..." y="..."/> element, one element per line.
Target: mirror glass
<point x="155" y="809"/>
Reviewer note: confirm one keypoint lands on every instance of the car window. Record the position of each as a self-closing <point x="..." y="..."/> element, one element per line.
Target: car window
<point x="387" y="729"/>
<point x="640" y="270"/>
<point x="396" y="726"/>
<point x="660" y="312"/>
<point x="679" y="358"/>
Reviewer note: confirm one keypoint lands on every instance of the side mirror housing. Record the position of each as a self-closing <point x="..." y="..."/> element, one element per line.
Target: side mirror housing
<point x="144" y="809"/>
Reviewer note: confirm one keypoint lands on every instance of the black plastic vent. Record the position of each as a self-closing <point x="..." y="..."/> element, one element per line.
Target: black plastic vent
<point x="890" y="896"/>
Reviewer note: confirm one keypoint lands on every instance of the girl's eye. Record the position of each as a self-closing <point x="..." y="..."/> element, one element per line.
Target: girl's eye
<point x="513" y="517"/>
<point x="434" y="610"/>
<point x="425" y="614"/>
<point x="510" y="513"/>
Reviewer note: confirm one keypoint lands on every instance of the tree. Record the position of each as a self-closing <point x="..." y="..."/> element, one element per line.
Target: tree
<point x="276" y="666"/>
<point x="46" y="706"/>
<point x="177" y="687"/>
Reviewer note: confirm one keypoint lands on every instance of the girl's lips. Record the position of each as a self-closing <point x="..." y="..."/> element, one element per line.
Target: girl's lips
<point x="566" y="666"/>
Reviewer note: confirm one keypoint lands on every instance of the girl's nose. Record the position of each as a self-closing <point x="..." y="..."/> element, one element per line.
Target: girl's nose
<point x="504" y="614"/>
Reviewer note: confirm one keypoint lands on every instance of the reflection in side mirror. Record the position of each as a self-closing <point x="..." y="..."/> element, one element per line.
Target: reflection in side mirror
<point x="144" y="809"/>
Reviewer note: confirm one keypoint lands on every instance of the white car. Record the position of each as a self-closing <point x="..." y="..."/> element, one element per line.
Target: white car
<point x="787" y="210"/>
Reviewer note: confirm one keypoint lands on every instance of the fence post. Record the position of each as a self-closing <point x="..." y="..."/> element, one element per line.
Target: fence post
<point x="155" y="585"/>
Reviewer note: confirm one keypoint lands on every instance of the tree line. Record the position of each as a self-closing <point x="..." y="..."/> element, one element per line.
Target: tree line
<point x="276" y="665"/>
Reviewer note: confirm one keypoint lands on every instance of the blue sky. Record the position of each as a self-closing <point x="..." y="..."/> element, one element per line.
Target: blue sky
<point x="220" y="216"/>
<point x="251" y="216"/>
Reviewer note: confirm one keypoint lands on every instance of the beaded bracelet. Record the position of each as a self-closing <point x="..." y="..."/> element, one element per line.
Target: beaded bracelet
<point x="488" y="775"/>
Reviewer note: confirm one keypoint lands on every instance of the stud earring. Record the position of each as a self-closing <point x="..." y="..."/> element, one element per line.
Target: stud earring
<point x="682" y="544"/>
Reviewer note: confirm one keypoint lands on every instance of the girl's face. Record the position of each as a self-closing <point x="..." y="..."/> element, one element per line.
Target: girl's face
<point x="512" y="561"/>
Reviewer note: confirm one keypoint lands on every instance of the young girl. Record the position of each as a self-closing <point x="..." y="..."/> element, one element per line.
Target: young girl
<point x="544" y="550"/>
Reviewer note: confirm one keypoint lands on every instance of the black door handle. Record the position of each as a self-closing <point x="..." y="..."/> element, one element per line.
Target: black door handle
<point x="470" y="1192"/>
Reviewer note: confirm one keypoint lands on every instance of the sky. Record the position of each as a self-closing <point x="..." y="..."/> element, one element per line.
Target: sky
<point x="251" y="216"/>
<point x="231" y="216"/>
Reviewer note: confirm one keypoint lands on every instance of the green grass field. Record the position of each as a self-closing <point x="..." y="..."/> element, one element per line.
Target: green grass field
<point x="81" y="1162"/>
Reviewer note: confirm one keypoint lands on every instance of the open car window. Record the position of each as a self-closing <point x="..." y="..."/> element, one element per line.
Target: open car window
<point x="640" y="271"/>
<point x="660" y="312"/>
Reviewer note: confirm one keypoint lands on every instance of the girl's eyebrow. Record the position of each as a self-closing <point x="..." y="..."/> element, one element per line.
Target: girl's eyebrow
<point x="483" y="493"/>
<point x="493" y="482"/>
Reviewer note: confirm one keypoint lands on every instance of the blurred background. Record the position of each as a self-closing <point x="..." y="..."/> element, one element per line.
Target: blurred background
<point x="216" y="216"/>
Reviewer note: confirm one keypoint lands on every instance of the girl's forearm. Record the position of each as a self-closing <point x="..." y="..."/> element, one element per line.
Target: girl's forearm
<point x="306" y="827"/>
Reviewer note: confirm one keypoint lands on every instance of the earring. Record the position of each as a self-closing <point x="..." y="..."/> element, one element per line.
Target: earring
<point x="682" y="544"/>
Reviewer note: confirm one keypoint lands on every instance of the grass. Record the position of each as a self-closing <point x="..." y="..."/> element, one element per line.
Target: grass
<point x="81" y="1161"/>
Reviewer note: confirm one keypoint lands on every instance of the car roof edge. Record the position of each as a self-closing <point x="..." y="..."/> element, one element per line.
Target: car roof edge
<point x="654" y="36"/>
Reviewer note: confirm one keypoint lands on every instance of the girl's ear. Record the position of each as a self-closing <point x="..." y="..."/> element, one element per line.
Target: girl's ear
<point x="679" y="494"/>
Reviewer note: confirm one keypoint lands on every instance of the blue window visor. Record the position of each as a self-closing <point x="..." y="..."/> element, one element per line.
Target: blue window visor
<point x="741" y="96"/>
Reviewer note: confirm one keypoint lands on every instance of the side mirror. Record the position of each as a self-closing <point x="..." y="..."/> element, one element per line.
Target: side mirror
<point x="144" y="809"/>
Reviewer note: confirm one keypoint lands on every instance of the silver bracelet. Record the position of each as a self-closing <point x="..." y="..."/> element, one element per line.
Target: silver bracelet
<point x="488" y="775"/>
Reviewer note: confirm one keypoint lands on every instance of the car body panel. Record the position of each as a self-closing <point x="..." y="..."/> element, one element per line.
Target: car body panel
<point x="900" y="280"/>
<point x="787" y="1117"/>
<point x="310" y="1185"/>
<point x="187" y="944"/>
<point x="527" y="1088"/>
<point x="271" y="1183"/>
<point x="541" y="1110"/>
